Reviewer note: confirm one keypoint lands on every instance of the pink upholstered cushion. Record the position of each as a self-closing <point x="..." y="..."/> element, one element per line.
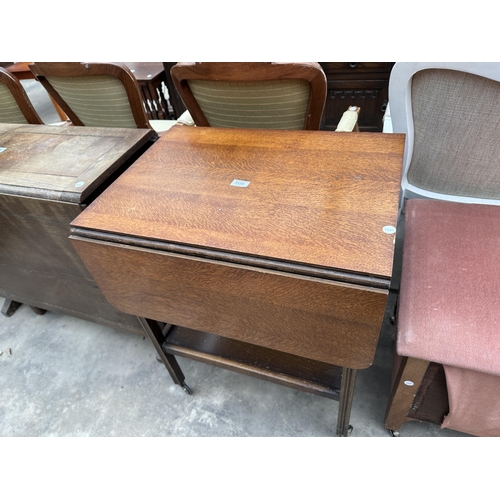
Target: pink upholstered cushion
<point x="449" y="308"/>
<point x="474" y="402"/>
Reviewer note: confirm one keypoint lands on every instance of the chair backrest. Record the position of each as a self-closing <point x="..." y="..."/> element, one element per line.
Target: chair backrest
<point x="15" y="106"/>
<point x="94" y="94"/>
<point x="252" y="95"/>
<point x="450" y="113"/>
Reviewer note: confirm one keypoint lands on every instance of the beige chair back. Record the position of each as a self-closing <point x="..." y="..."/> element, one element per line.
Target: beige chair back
<point x="94" y="94"/>
<point x="9" y="110"/>
<point x="252" y="95"/>
<point x="15" y="106"/>
<point x="98" y="101"/>
<point x="281" y="104"/>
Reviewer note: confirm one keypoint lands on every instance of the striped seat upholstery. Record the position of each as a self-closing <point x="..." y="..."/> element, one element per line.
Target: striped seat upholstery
<point x="9" y="109"/>
<point x="287" y="96"/>
<point x="279" y="104"/>
<point x="98" y="101"/>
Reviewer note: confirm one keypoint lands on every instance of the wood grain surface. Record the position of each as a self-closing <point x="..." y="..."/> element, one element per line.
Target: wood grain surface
<point x="334" y="323"/>
<point x="317" y="198"/>
<point x="63" y="163"/>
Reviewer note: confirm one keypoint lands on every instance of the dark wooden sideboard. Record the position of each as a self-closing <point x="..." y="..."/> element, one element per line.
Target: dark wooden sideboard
<point x="48" y="175"/>
<point x="363" y="84"/>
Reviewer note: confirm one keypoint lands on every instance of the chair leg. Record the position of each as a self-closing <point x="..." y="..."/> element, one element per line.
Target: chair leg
<point x="10" y="307"/>
<point x="155" y="333"/>
<point x="406" y="385"/>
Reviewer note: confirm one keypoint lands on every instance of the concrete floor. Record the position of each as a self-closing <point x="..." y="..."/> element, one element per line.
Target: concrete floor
<point x="69" y="377"/>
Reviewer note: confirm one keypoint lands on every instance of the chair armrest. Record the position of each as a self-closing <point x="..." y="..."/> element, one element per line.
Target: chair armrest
<point x="161" y="126"/>
<point x="186" y="119"/>
<point x="349" y="120"/>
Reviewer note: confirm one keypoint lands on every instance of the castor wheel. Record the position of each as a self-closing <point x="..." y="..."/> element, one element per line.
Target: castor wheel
<point x="186" y="389"/>
<point x="159" y="359"/>
<point x="394" y="433"/>
<point x="347" y="433"/>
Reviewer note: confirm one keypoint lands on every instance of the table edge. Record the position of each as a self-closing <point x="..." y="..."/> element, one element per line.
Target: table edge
<point x="331" y="274"/>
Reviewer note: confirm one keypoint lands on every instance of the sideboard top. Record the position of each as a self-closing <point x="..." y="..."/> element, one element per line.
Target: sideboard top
<point x="64" y="163"/>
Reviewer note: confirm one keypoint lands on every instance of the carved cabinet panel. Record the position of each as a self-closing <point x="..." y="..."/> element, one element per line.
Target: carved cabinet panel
<point x="363" y="84"/>
<point x="356" y="84"/>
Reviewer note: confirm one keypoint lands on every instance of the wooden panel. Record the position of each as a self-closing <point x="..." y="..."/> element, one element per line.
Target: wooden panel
<point x="355" y="68"/>
<point x="35" y="233"/>
<point x="63" y="163"/>
<point x="308" y="317"/>
<point x="431" y="401"/>
<point x="371" y="96"/>
<point x="314" y="197"/>
<point x="39" y="266"/>
<point x="363" y="84"/>
<point x="65" y="295"/>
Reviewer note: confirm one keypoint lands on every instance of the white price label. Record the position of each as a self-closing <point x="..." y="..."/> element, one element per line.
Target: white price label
<point x="240" y="183"/>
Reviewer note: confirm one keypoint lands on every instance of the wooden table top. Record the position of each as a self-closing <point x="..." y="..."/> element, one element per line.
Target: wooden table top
<point x="62" y="163"/>
<point x="315" y="198"/>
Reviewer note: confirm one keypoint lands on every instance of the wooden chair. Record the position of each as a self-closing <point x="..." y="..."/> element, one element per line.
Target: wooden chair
<point x="252" y="95"/>
<point x="97" y="94"/>
<point x="15" y="106"/>
<point x="450" y="113"/>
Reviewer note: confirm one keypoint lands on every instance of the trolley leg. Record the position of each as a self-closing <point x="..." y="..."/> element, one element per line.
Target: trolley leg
<point x="154" y="332"/>
<point x="345" y="402"/>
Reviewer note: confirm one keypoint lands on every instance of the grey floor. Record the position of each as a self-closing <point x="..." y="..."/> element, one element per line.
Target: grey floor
<point x="69" y="377"/>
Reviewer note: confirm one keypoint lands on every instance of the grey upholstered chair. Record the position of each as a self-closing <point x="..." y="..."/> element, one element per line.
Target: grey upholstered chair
<point x="15" y="106"/>
<point x="450" y="113"/>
